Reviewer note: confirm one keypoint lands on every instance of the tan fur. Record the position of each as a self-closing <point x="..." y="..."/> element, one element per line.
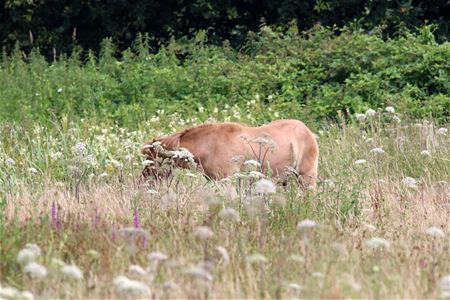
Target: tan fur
<point x="215" y="145"/>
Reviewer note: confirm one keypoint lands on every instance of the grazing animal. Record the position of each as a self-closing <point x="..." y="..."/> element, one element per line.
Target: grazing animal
<point x="281" y="146"/>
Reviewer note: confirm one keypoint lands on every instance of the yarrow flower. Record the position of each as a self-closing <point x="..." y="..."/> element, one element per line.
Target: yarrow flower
<point x="425" y="153"/>
<point x="390" y="109"/>
<point x="377" y="150"/>
<point x="252" y="162"/>
<point x="370" y="112"/>
<point x="10" y="162"/>
<point x="306" y="224"/>
<point x="442" y="131"/>
<point x="230" y="214"/>
<point x="157" y="256"/>
<point x="130" y="288"/>
<point x="137" y="270"/>
<point x="265" y="186"/>
<point x="28" y="254"/>
<point x="377" y="242"/>
<point x="72" y="272"/>
<point x="79" y="149"/>
<point x="256" y="258"/>
<point x="435" y="232"/>
<point x="410" y="182"/>
<point x="360" y="117"/>
<point x="35" y="270"/>
<point x="203" y="232"/>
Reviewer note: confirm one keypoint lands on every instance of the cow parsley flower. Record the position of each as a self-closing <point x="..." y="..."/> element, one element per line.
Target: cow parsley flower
<point x="79" y="149"/>
<point x="360" y="117"/>
<point x="137" y="270"/>
<point x="360" y="161"/>
<point x="223" y="253"/>
<point x="410" y="182"/>
<point x="198" y="272"/>
<point x="10" y="162"/>
<point x="306" y="224"/>
<point x="265" y="186"/>
<point x="377" y="150"/>
<point x="252" y="162"/>
<point x="377" y="242"/>
<point x="256" y="258"/>
<point x="32" y="170"/>
<point x="370" y="112"/>
<point x="435" y="232"/>
<point x="425" y="153"/>
<point x="130" y="288"/>
<point x="72" y="272"/>
<point x="157" y="256"/>
<point x="35" y="270"/>
<point x="230" y="214"/>
<point x="203" y="232"/>
<point x="442" y="131"/>
<point x="390" y="109"/>
<point x="28" y="254"/>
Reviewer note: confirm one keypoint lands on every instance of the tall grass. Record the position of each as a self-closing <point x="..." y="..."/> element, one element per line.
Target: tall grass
<point x="72" y="190"/>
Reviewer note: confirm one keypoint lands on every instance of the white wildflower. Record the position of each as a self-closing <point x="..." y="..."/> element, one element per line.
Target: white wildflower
<point x="255" y="174"/>
<point x="59" y="90"/>
<point x="252" y="162"/>
<point x="35" y="270"/>
<point x="294" y="286"/>
<point x="56" y="156"/>
<point x="396" y="119"/>
<point x="72" y="272"/>
<point x="435" y="232"/>
<point x="114" y="163"/>
<point x="79" y="149"/>
<point x="90" y="160"/>
<point x="329" y="183"/>
<point x="198" y="272"/>
<point x="360" y="161"/>
<point x="360" y="117"/>
<point x="32" y="170"/>
<point x="377" y="242"/>
<point x="306" y="224"/>
<point x="370" y="112"/>
<point x="265" y="186"/>
<point x="223" y="253"/>
<point x="157" y="256"/>
<point x="137" y="270"/>
<point x="425" y="153"/>
<point x="147" y="162"/>
<point x="256" y="258"/>
<point x="370" y="227"/>
<point x="28" y="254"/>
<point x="377" y="150"/>
<point x="9" y="293"/>
<point x="230" y="214"/>
<point x="151" y="192"/>
<point x="131" y="288"/>
<point x="442" y="131"/>
<point x="10" y="162"/>
<point x="129" y="157"/>
<point x="203" y="232"/>
<point x="103" y="175"/>
<point x="390" y="109"/>
<point x="410" y="182"/>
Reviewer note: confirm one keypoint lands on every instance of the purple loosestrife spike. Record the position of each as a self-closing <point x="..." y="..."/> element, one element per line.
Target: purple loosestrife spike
<point x="55" y="220"/>
<point x="136" y="219"/>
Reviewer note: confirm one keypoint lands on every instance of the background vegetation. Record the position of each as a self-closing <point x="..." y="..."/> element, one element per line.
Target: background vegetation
<point x="309" y="76"/>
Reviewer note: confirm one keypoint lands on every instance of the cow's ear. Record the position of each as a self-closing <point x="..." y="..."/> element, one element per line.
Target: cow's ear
<point x="172" y="142"/>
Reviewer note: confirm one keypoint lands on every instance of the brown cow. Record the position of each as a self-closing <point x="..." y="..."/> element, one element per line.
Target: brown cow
<point x="280" y="146"/>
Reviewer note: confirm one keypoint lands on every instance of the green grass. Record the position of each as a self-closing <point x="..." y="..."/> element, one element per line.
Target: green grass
<point x="351" y="204"/>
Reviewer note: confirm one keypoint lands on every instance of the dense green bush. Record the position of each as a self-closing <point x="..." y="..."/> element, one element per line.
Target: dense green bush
<point x="305" y="76"/>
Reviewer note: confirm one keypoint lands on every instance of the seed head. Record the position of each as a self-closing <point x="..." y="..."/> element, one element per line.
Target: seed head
<point x="265" y="186"/>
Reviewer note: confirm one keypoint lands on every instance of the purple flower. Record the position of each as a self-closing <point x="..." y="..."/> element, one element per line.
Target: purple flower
<point x="136" y="219"/>
<point x="55" y="221"/>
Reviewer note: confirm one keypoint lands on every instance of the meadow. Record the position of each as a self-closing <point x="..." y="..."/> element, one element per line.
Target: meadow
<point x="77" y="223"/>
